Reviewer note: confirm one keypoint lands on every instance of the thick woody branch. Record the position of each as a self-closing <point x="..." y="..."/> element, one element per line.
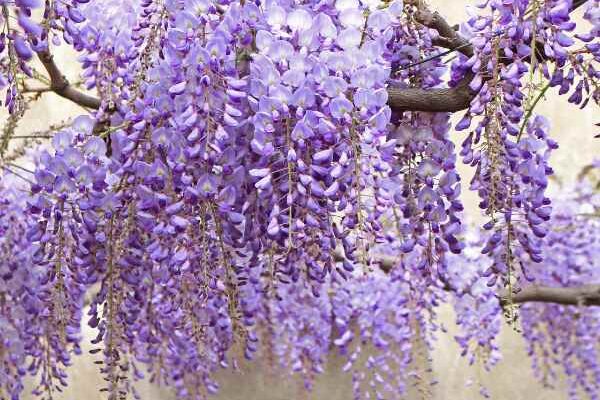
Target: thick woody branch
<point x="432" y="100"/>
<point x="61" y="86"/>
<point x="588" y="295"/>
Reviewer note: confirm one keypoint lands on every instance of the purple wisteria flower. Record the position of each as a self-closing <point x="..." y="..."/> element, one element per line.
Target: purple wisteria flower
<point x="246" y="180"/>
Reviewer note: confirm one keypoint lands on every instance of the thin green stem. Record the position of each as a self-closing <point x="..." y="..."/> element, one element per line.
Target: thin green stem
<point x="530" y="110"/>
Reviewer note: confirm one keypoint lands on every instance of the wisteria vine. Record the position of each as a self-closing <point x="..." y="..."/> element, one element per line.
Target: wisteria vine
<point x="282" y="175"/>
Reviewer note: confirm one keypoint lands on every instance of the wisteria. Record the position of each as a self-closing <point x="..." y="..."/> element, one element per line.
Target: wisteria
<point x="574" y="263"/>
<point x="282" y="177"/>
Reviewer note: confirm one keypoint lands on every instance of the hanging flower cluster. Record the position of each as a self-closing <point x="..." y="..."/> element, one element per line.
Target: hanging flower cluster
<point x="510" y="145"/>
<point x="17" y="293"/>
<point x="568" y="334"/>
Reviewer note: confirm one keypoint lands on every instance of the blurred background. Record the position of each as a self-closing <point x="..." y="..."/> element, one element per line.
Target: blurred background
<point x="511" y="379"/>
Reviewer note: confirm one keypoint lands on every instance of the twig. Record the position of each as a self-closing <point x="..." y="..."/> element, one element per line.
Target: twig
<point x="61" y="86"/>
<point x="434" y="57"/>
<point x="30" y="137"/>
<point x="16" y="174"/>
<point x="21" y="168"/>
<point x="530" y="110"/>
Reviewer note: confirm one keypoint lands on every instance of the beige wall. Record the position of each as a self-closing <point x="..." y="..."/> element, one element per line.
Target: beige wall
<point x="511" y="379"/>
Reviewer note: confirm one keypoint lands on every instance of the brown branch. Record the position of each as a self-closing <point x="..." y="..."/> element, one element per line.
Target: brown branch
<point x="432" y="100"/>
<point x="30" y="137"/>
<point x="436" y="100"/>
<point x="61" y="86"/>
<point x="587" y="295"/>
<point x="441" y="100"/>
